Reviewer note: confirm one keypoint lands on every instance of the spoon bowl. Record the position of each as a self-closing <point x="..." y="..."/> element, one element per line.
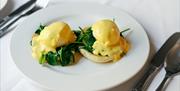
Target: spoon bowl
<point x="172" y="64"/>
<point x="173" y="59"/>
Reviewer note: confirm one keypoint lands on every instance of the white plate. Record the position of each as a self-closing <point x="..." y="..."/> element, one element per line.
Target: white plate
<point x="3" y="4"/>
<point x="85" y="75"/>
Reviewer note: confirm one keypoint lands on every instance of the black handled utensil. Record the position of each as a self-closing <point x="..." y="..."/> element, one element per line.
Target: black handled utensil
<point x="39" y="4"/>
<point x="156" y="63"/>
<point x="172" y="65"/>
<point x="15" y="13"/>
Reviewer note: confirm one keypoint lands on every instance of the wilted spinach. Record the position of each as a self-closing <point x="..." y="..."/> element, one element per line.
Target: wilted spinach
<point x="52" y="58"/>
<point x="63" y="56"/>
<point x="40" y="28"/>
<point x="86" y="38"/>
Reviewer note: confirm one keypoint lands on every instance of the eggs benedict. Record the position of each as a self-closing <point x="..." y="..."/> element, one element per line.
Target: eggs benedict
<point x="51" y="37"/>
<point x="108" y="44"/>
<point x="57" y="44"/>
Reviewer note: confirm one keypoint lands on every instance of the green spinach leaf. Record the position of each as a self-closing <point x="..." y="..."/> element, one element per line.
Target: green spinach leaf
<point x="66" y="55"/>
<point x="52" y="58"/>
<point x="121" y="33"/>
<point x="40" y="28"/>
<point x="86" y="38"/>
<point x="42" y="59"/>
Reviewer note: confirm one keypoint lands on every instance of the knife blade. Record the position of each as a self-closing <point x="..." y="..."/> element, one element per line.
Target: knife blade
<point x="156" y="63"/>
<point x="16" y="12"/>
<point x="164" y="50"/>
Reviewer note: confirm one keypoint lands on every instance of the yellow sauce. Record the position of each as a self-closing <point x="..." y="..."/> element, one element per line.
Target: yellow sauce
<point x="55" y="35"/>
<point x="108" y="40"/>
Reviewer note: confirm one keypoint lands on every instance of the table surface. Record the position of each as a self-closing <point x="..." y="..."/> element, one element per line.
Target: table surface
<point x="160" y="18"/>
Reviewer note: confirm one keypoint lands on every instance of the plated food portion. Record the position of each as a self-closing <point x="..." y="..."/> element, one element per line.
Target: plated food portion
<point x="58" y="44"/>
<point x="109" y="43"/>
<point x="54" y="44"/>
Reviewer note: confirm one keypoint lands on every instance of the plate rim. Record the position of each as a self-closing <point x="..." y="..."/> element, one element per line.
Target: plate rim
<point x="3" y="4"/>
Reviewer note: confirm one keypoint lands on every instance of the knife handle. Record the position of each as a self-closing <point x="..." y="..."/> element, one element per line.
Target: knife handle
<point x="145" y="81"/>
<point x="6" y="28"/>
<point x="18" y="12"/>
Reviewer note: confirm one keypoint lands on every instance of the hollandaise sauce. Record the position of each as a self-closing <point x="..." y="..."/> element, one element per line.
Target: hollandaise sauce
<point x="55" y="35"/>
<point x="108" y="40"/>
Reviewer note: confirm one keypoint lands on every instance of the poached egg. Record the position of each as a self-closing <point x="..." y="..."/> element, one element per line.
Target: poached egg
<point x="52" y="36"/>
<point x="108" y="40"/>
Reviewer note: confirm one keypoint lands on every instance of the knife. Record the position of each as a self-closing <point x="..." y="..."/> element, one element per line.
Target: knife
<point x="156" y="63"/>
<point x="17" y="12"/>
<point x="6" y="29"/>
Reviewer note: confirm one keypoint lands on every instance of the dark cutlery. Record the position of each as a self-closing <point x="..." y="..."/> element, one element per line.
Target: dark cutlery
<point x="156" y="62"/>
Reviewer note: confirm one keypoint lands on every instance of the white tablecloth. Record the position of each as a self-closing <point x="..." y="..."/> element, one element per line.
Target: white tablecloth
<point x="160" y="18"/>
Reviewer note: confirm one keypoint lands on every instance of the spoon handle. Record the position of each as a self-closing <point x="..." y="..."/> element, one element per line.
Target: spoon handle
<point x="165" y="80"/>
<point x="145" y="81"/>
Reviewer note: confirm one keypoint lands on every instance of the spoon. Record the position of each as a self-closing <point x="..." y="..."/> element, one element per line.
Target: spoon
<point x="172" y="65"/>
